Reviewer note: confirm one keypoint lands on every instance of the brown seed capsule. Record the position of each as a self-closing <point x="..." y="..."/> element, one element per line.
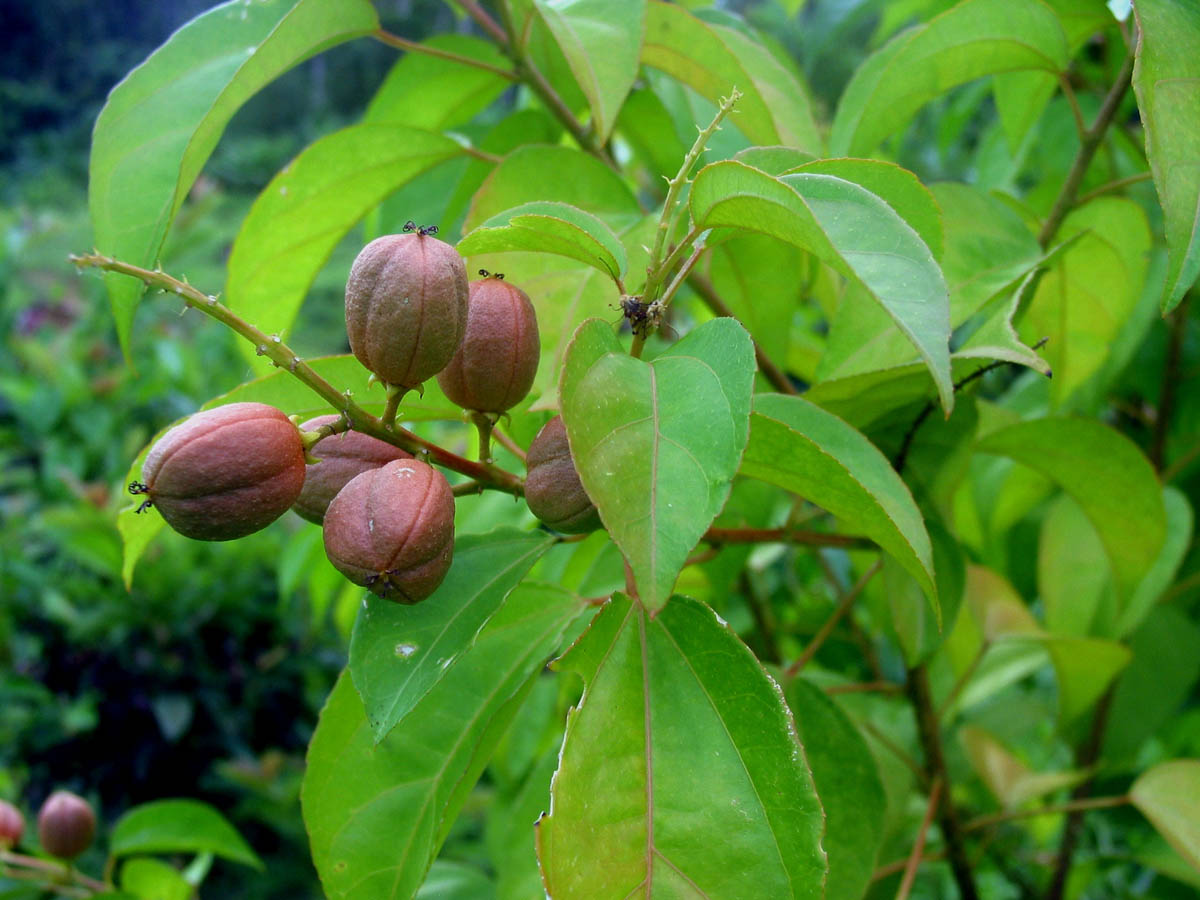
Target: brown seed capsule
<point x="391" y="529"/>
<point x="226" y="472"/>
<point x="66" y="825"/>
<point x="552" y="486"/>
<point x="494" y="367"/>
<point x="406" y="307"/>
<point x="12" y="825"/>
<point x="342" y="456"/>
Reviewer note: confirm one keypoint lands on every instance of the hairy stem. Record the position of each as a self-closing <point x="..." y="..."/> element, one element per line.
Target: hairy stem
<point x="282" y="356"/>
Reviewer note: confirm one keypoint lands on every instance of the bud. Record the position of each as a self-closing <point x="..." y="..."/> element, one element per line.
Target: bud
<point x="391" y="529"/>
<point x="552" y="486"/>
<point x="66" y="825"/>
<point x="12" y="825"/>
<point x="225" y="472"/>
<point x="495" y="365"/>
<point x="406" y="307"/>
<point x="342" y="456"/>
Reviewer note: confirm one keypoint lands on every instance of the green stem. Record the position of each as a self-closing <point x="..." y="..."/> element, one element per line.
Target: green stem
<point x="282" y="356"/>
<point x="395" y="393"/>
<point x="484" y="425"/>
<point x="914" y="858"/>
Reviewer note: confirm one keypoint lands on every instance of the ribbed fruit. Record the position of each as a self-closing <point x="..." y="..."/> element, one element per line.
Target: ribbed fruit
<point x="406" y="307"/>
<point x="342" y="456"/>
<point x="495" y="365"/>
<point x="391" y="529"/>
<point x="226" y="472"/>
<point x="552" y="486"/>
<point x="66" y="825"/>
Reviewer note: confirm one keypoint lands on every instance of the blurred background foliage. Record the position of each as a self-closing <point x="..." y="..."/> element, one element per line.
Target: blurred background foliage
<point x="206" y="678"/>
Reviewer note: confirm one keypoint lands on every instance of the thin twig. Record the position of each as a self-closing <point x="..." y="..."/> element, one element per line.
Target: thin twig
<point x="1113" y="186"/>
<point x="484" y="21"/>
<point x="394" y="40"/>
<point x="764" y="618"/>
<point x="962" y="681"/>
<point x="864" y="687"/>
<point x="708" y="293"/>
<point x="49" y="868"/>
<point x="1064" y="82"/>
<point x="1071" y="807"/>
<point x="827" y="627"/>
<point x="508" y="444"/>
<point x="935" y="767"/>
<point x="283" y="357"/>
<point x="895" y="749"/>
<point x="914" y="858"/>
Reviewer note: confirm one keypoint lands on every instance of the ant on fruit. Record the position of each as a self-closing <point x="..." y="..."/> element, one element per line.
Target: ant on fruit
<point x="135" y="488"/>
<point x="422" y="230"/>
<point x="499" y="276"/>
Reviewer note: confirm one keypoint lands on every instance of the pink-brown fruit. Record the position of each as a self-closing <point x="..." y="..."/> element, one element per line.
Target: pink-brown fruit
<point x="12" y="825"/>
<point x="342" y="456"/>
<point x="391" y="529"/>
<point x="552" y="486"/>
<point x="226" y="472"/>
<point x="494" y="367"/>
<point x="406" y="307"/>
<point x="66" y="825"/>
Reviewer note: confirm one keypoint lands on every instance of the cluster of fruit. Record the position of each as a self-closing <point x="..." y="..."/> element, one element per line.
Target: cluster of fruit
<point x="66" y="825"/>
<point x="388" y="518"/>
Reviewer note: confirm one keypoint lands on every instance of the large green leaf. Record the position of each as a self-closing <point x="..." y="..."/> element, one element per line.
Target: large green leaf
<point x="848" y="784"/>
<point x="810" y="452"/>
<point x="179" y="826"/>
<point x="434" y="93"/>
<point x="602" y="42"/>
<point x="1169" y="795"/>
<point x="163" y="120"/>
<point x="1166" y="79"/>
<point x="399" y="653"/>
<point x="309" y="206"/>
<point x="1106" y="474"/>
<point x="681" y="774"/>
<point x="547" y="227"/>
<point x="282" y="390"/>
<point x="1087" y="295"/>
<point x="657" y="444"/>
<point x="153" y="879"/>
<point x="848" y="227"/>
<point x="974" y="38"/>
<point x="376" y="814"/>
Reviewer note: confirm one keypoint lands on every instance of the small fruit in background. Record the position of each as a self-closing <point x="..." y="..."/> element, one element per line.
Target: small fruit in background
<point x="496" y="363"/>
<point x="406" y="306"/>
<point x="552" y="487"/>
<point x="12" y="825"/>
<point x="391" y="530"/>
<point x="225" y="472"/>
<point x="66" y="825"/>
<point x="342" y="457"/>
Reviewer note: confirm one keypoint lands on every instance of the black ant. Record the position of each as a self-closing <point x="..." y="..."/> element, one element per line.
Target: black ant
<point x="422" y="230"/>
<point x="499" y="276"/>
<point x="135" y="488"/>
<point x="643" y="317"/>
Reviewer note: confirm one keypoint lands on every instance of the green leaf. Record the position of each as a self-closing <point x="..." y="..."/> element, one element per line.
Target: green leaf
<point x="908" y="602"/>
<point x="1166" y="665"/>
<point x="602" y="41"/>
<point x="1085" y="298"/>
<point x="152" y="879"/>
<point x="899" y="188"/>
<point x="848" y="227"/>
<point x="399" y="653"/>
<point x="1166" y="77"/>
<point x="304" y="212"/>
<point x="1106" y="474"/>
<point x="657" y="444"/>
<point x="1180" y="523"/>
<point x="1084" y="668"/>
<point x="1009" y="779"/>
<point x="1168" y="795"/>
<point x="284" y="391"/>
<point x="546" y="227"/>
<point x="848" y="785"/>
<point x="432" y="93"/>
<point x="1074" y="576"/>
<point x="377" y="814"/>
<point x="179" y="826"/>
<point x="810" y="452"/>
<point x="536" y="173"/>
<point x="681" y="773"/>
<point x="972" y="39"/>
<point x="691" y="51"/>
<point x="455" y="881"/>
<point x="163" y="120"/>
